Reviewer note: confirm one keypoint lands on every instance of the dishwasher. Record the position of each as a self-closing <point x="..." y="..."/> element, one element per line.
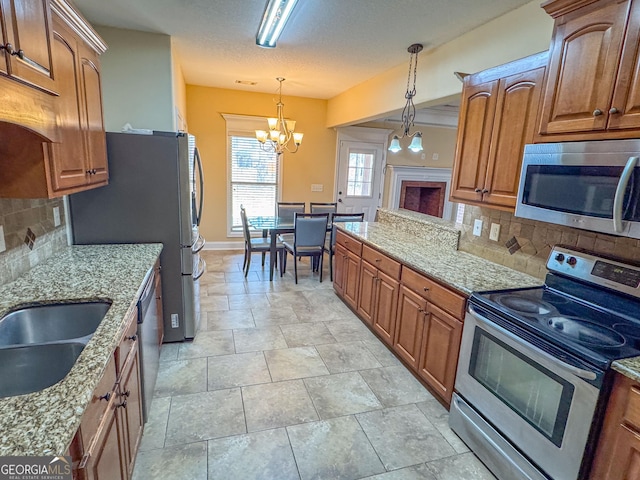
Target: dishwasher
<point x="149" y="348"/>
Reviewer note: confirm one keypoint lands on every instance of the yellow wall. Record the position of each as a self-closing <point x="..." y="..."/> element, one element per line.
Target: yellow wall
<point x="313" y="163"/>
<point x="519" y="33"/>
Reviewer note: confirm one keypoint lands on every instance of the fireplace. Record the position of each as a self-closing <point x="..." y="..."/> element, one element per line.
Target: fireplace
<point x="423" y="197"/>
<point x="421" y="189"/>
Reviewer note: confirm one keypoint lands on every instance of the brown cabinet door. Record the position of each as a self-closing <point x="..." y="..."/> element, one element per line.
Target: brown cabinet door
<point x="625" y="107"/>
<point x="131" y="410"/>
<point x="339" y="271"/>
<point x="367" y="297"/>
<point x="106" y="461"/>
<point x="409" y="326"/>
<point x="93" y="115"/>
<point x="513" y="127"/>
<point x="28" y="29"/>
<point x="351" y="279"/>
<point x="585" y="52"/>
<point x="477" y="113"/>
<point x="4" y="59"/>
<point x="68" y="157"/>
<point x="384" y="320"/>
<point x="439" y="353"/>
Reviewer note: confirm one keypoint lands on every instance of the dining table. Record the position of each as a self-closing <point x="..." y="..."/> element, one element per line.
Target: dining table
<point x="272" y="225"/>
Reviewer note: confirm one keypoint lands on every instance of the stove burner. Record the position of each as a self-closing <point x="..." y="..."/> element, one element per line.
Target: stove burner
<point x="525" y="305"/>
<point x="628" y="330"/>
<point x="586" y="332"/>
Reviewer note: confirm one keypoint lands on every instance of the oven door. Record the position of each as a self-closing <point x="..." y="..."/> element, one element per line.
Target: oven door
<point x="540" y="404"/>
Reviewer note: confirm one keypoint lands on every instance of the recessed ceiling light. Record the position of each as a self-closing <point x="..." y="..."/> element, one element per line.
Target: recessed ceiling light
<point x="246" y="82"/>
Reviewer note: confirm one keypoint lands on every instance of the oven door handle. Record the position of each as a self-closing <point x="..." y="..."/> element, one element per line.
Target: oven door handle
<point x="621" y="189"/>
<point x="579" y="372"/>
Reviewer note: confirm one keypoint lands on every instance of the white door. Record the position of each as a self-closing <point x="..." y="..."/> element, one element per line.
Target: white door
<point x="359" y="176"/>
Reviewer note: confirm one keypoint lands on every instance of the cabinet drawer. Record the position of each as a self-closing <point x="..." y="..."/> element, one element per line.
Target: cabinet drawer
<point x="99" y="402"/>
<point x="127" y="342"/>
<point x="349" y="243"/>
<point x="381" y="262"/>
<point x="632" y="412"/>
<point x="435" y="293"/>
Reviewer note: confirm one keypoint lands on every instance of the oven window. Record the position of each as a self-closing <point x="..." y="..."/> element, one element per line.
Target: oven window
<point x="579" y="190"/>
<point x="539" y="396"/>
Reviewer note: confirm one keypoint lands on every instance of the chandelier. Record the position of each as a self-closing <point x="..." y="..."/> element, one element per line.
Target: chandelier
<point x="409" y="110"/>
<point x="281" y="135"/>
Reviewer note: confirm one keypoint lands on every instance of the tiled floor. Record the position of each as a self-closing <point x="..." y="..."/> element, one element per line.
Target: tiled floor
<point x="283" y="382"/>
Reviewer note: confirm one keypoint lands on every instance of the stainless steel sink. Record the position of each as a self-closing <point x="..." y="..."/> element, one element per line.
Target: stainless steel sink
<point x="31" y="368"/>
<point x="52" y="323"/>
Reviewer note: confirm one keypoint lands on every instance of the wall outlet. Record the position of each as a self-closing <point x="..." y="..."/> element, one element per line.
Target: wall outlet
<point x="317" y="187"/>
<point x="477" y="227"/>
<point x="3" y="245"/>
<point x="175" y="322"/>
<point x="56" y="216"/>
<point x="436" y="156"/>
<point x="494" y="234"/>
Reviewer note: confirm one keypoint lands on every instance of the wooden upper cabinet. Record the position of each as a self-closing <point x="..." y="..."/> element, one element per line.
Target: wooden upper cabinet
<point x="497" y="118"/>
<point x="592" y="86"/>
<point x="27" y="24"/>
<point x="4" y="59"/>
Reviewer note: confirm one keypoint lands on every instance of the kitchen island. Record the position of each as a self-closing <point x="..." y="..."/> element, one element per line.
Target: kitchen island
<point x="45" y="422"/>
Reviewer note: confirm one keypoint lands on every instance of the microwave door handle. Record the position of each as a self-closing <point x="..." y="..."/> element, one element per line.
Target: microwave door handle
<point x="620" y="191"/>
<point x="487" y="324"/>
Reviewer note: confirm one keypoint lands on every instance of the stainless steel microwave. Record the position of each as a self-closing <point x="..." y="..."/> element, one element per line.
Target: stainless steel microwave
<point x="589" y="185"/>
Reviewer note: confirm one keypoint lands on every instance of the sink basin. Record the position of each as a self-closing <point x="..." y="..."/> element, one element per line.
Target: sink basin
<point x="30" y="368"/>
<point x="52" y="323"/>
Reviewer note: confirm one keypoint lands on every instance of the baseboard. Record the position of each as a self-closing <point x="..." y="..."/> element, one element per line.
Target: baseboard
<point x="224" y="246"/>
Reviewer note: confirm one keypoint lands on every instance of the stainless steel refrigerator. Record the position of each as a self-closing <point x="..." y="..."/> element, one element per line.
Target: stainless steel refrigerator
<point x="154" y="195"/>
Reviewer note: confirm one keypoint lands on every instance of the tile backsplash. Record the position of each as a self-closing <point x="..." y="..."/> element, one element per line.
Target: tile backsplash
<point x="16" y="217"/>
<point x="535" y="239"/>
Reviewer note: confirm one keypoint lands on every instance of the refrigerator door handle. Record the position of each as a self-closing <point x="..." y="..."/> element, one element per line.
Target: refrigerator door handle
<point x="201" y="190"/>
<point x="202" y="267"/>
<point x="198" y="245"/>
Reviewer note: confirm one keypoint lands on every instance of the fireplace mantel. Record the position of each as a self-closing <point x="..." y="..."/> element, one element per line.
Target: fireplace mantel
<point x="427" y="174"/>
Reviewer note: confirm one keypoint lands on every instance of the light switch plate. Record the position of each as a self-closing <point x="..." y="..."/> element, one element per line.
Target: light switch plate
<point x="3" y="245"/>
<point x="56" y="216"/>
<point x="435" y="156"/>
<point x="317" y="187"/>
<point x="494" y="234"/>
<point x="477" y="227"/>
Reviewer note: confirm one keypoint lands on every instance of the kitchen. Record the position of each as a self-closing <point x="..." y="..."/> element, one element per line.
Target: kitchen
<point x="535" y="238"/>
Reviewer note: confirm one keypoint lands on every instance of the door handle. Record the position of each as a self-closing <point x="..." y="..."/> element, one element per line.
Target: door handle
<point x="340" y="200"/>
<point x="618" y="200"/>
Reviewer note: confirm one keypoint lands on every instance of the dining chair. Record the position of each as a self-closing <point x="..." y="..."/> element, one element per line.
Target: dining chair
<point x="308" y="241"/>
<point x="257" y="244"/>
<point x="287" y="210"/>
<point x="318" y="207"/>
<point x="339" y="217"/>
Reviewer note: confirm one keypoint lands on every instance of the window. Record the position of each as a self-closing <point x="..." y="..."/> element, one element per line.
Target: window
<point x="253" y="174"/>
<point x="360" y="176"/>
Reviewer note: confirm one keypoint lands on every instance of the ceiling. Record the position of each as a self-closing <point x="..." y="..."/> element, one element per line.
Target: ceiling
<point x="327" y="47"/>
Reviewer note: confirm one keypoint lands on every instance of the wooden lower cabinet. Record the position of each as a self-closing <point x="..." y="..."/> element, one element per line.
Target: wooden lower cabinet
<point x="346" y="278"/>
<point x="439" y="351"/>
<point x="107" y="441"/>
<point x="409" y="326"/>
<point x="618" y="450"/>
<point x="378" y="300"/>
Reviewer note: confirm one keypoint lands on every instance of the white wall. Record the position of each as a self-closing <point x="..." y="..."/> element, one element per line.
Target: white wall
<point x="137" y="80"/>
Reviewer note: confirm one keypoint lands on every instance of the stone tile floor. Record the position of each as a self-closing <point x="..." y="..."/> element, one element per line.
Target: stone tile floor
<point x="283" y="382"/>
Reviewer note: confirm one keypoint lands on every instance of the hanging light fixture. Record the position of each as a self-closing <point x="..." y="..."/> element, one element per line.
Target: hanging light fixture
<point x="281" y="132"/>
<point x="409" y="110"/>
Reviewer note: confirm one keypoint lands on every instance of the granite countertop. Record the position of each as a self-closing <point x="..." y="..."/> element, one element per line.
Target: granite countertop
<point x="44" y="422"/>
<point x="458" y="270"/>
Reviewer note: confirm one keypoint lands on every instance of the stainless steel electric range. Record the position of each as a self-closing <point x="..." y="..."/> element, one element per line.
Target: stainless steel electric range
<point x="533" y="375"/>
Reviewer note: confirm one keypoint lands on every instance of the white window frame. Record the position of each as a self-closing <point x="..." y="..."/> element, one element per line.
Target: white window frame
<point x="243" y="126"/>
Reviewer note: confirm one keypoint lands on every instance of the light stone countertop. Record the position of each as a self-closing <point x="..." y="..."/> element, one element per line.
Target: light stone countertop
<point x="44" y="422"/>
<point x="458" y="270"/>
<point x="629" y="367"/>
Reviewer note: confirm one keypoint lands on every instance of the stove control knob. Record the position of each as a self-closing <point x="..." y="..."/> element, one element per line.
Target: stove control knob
<point x="572" y="261"/>
<point x="560" y="258"/>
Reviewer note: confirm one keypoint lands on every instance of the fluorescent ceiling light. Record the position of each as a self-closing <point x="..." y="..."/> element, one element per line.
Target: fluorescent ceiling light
<point x="273" y="21"/>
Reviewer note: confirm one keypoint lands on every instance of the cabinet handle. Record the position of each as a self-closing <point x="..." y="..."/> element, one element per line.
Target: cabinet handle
<point x="597" y="112"/>
<point x="614" y="110"/>
<point x="485" y="191"/>
<point x="93" y="171"/>
<point x="378" y="260"/>
<point x="133" y="338"/>
<point x="125" y="394"/>
<point x="478" y="190"/>
<point x="426" y="289"/>
<point x="106" y="396"/>
<point x="421" y="310"/>
<point x="123" y="404"/>
<point x="8" y="47"/>
<point x="18" y="53"/>
<point x="88" y="172"/>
